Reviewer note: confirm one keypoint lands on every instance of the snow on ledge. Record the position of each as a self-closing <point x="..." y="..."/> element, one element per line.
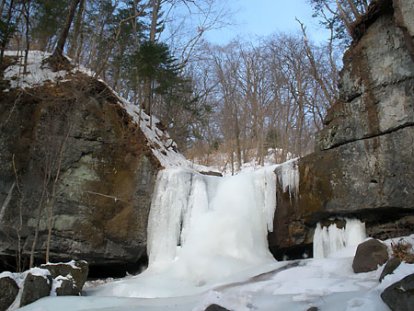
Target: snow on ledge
<point x="161" y="144"/>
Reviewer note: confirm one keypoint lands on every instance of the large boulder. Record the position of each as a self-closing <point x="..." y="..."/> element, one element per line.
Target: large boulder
<point x="8" y="290"/>
<point x="35" y="287"/>
<point x="369" y="255"/>
<point x="74" y="275"/>
<point x="400" y="295"/>
<point x="75" y="143"/>
<point x="362" y="164"/>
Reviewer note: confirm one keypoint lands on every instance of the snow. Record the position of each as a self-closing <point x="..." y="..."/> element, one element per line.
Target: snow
<point x="37" y="73"/>
<point x="328" y="284"/>
<point x="333" y="240"/>
<point x="222" y="162"/>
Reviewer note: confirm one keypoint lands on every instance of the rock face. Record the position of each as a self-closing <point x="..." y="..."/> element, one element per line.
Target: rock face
<point x="9" y="291"/>
<point x="77" y="272"/>
<point x="400" y="296"/>
<point x="369" y="255"/>
<point x="34" y="288"/>
<point x="72" y="160"/>
<point x="390" y="267"/>
<point x="363" y="163"/>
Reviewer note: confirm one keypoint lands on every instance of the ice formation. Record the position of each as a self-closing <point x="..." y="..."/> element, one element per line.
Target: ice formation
<point x="329" y="240"/>
<point x="288" y="176"/>
<point x="195" y="218"/>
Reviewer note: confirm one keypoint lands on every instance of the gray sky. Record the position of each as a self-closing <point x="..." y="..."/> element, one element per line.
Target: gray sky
<point x="260" y="18"/>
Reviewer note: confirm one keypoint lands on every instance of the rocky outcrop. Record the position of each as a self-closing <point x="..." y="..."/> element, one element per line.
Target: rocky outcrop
<point x="400" y="295"/>
<point x="363" y="163"/>
<point x="34" y="288"/>
<point x="390" y="267"/>
<point x="8" y="290"/>
<point x="74" y="275"/>
<point x="73" y="161"/>
<point x="62" y="279"/>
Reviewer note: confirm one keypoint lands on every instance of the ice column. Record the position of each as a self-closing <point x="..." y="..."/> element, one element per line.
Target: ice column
<point x="169" y="202"/>
<point x="288" y="176"/>
<point x="328" y="240"/>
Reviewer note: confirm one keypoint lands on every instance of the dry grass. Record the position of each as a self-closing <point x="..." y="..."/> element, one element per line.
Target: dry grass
<point x="403" y="251"/>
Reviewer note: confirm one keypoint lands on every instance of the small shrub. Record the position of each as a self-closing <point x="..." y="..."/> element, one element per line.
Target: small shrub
<point x="403" y="251"/>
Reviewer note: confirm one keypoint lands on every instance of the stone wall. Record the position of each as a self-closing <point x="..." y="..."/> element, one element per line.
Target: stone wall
<point x="363" y="165"/>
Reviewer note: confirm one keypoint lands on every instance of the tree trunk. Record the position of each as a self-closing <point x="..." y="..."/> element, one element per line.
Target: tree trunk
<point x="65" y="31"/>
<point x="74" y="46"/>
<point x="5" y="39"/>
<point x="27" y="34"/>
<point x="156" y="4"/>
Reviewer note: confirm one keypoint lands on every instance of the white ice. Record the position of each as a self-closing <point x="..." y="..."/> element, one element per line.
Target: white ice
<point x="333" y="240"/>
<point x="203" y="230"/>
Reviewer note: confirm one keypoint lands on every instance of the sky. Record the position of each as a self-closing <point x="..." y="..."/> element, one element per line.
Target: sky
<point x="254" y="19"/>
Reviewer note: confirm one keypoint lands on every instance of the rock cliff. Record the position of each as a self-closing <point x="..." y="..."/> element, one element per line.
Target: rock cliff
<point x="363" y="163"/>
<point x="79" y="161"/>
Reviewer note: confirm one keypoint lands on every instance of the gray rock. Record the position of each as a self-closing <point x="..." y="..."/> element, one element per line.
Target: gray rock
<point x="9" y="291"/>
<point x="34" y="288"/>
<point x="390" y="267"/>
<point x="77" y="271"/>
<point x="400" y="296"/>
<point x="369" y="255"/>
<point x="67" y="287"/>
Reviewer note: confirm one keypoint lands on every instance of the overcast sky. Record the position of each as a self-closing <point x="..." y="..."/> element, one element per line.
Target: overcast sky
<point x="260" y="18"/>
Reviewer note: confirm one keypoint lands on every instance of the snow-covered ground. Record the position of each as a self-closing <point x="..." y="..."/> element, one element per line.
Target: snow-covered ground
<point x="221" y="162"/>
<point x="328" y="284"/>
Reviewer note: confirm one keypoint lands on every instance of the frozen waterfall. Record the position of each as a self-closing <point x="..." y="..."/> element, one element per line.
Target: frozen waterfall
<point x="197" y="220"/>
<point x="328" y="240"/>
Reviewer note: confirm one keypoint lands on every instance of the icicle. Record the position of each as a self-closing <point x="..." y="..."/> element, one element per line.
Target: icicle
<point x="327" y="241"/>
<point x="265" y="191"/>
<point x="288" y="176"/>
<point x="164" y="223"/>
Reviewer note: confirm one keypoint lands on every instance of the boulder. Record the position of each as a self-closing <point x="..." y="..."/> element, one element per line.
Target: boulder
<point x="400" y="295"/>
<point x="35" y="287"/>
<point x="369" y="255"/>
<point x="9" y="291"/>
<point x="390" y="267"/>
<point x="76" y="270"/>
<point x="66" y="286"/>
<point x="106" y="178"/>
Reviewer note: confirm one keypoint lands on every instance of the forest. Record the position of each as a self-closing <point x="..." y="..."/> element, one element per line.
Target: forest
<point x="236" y="100"/>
